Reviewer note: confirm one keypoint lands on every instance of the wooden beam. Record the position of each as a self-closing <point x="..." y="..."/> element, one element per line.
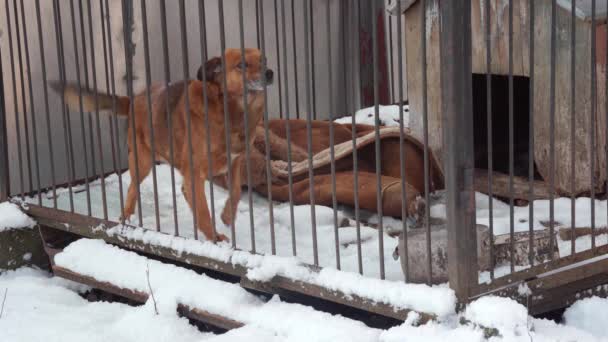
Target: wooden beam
<point x="366" y="62"/>
<point x="95" y="228"/>
<point x="455" y="18"/>
<point x="500" y="186"/>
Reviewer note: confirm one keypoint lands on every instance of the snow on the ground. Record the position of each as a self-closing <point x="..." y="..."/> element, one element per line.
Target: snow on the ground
<point x="89" y="257"/>
<point x="43" y="308"/>
<point x="388" y="116"/>
<point x="303" y="228"/>
<point x="589" y="314"/>
<point x="11" y="217"/>
<point x="40" y="307"/>
<point x="172" y="285"/>
<point x="260" y="210"/>
<point x="499" y="313"/>
<point x="264" y="267"/>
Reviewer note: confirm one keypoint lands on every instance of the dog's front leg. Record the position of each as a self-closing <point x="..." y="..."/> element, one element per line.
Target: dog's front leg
<point x="229" y="212"/>
<point x="200" y="209"/>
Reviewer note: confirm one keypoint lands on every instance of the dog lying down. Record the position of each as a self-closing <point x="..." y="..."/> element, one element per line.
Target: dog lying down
<point x="243" y="74"/>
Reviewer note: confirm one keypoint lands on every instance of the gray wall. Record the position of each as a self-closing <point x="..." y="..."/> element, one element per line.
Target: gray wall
<point x="345" y="97"/>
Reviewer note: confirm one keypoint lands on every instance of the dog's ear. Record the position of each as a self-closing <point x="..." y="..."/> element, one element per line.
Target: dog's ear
<point x="212" y="69"/>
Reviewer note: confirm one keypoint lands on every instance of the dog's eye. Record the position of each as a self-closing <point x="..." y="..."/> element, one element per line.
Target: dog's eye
<point x="242" y="65"/>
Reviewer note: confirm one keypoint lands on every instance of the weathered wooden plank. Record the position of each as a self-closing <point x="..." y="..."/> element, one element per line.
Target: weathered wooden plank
<point x="413" y="41"/>
<point x="500" y="186"/>
<point x="141" y="297"/>
<point x="499" y="36"/>
<point x="582" y="112"/>
<point x="567" y="234"/>
<point x="96" y="228"/>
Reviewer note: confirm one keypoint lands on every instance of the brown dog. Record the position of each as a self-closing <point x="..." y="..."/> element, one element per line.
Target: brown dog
<point x="251" y="71"/>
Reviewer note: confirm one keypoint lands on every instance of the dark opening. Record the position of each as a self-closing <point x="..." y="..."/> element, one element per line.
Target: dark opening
<point x="500" y="123"/>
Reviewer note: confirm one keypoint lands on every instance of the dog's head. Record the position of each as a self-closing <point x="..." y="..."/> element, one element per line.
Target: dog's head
<point x="251" y="65"/>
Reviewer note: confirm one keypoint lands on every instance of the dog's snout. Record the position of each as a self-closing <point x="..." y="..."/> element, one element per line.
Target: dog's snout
<point x="269" y="75"/>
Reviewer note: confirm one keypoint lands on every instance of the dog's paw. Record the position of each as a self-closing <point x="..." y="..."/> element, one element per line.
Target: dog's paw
<point x="221" y="238"/>
<point x="124" y="220"/>
<point x="227" y="218"/>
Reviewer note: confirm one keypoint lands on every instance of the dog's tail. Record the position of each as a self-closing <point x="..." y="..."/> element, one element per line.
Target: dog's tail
<point x="91" y="100"/>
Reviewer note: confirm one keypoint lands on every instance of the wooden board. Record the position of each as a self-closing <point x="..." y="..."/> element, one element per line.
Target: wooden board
<point x="413" y="23"/>
<point x="582" y="112"/>
<point x="499" y="37"/>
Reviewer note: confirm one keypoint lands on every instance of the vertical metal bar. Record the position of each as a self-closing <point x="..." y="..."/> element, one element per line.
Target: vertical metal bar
<point x="402" y="155"/>
<point x="277" y="40"/>
<point x="193" y="177"/>
<point x="28" y="156"/>
<point x="204" y="54"/>
<point x="86" y="84"/>
<point x="46" y="105"/>
<point x="227" y="123"/>
<point x="606" y="110"/>
<point x="32" y="109"/>
<point x="5" y="183"/>
<point x="455" y="46"/>
<point x="490" y="139"/>
<point x="552" y="126"/>
<point x="144" y="16"/>
<point x="531" y="139"/>
<point x="67" y="126"/>
<point x="15" y="101"/>
<point x="355" y="153"/>
<point x="511" y="144"/>
<point x="107" y="79"/>
<point x="114" y="118"/>
<point x="246" y="127"/>
<point x="127" y="16"/>
<point x="288" y="136"/>
<point x="104" y="201"/>
<point x="167" y="71"/>
<point x="267" y="139"/>
<point x="113" y="147"/>
<point x="80" y="105"/>
<point x="331" y="132"/>
<point x="295" y="56"/>
<point x="592" y="123"/>
<point x="572" y="125"/>
<point x="379" y="208"/>
<point x="309" y="108"/>
<point x="425" y="129"/>
<point x="312" y="60"/>
<point x="390" y="56"/>
<point x="257" y="22"/>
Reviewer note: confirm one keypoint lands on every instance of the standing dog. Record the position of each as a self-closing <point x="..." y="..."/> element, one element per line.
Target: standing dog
<point x="174" y="96"/>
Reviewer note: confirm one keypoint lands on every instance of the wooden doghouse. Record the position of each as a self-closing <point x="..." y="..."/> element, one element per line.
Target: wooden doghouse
<point x="540" y="81"/>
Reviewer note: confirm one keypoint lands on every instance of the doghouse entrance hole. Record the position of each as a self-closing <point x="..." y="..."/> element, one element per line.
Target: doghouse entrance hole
<point x="500" y="123"/>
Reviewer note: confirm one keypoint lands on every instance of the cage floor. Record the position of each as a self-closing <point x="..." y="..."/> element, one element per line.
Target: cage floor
<point x="324" y="218"/>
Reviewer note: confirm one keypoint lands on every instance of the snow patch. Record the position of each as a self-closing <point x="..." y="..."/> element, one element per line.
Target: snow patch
<point x="388" y="116"/>
<point x="590" y="315"/>
<point x="505" y="315"/>
<point x="11" y="217"/>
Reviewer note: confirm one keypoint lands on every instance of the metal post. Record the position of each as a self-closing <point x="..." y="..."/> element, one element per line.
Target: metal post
<point x="455" y="17"/>
<point x="4" y="175"/>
